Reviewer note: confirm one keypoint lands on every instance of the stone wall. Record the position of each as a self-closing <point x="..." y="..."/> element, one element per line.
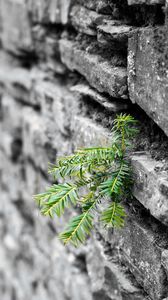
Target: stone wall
<point x="66" y="68"/>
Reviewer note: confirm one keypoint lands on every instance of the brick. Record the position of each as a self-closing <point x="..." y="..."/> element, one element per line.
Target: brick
<point x="112" y="105"/>
<point x="147" y="69"/>
<point x="16" y="34"/>
<point x="100" y="73"/>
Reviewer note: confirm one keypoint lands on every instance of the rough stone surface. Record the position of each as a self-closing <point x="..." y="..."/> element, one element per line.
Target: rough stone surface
<point x="16" y="34"/>
<point x="52" y="11"/>
<point x="151" y="186"/>
<point x="141" y="248"/>
<point x="85" y="20"/>
<point x="99" y="73"/>
<point x="112" y="105"/>
<point x="147" y="73"/>
<point x="63" y="78"/>
<point x="147" y="2"/>
<point x="113" y="35"/>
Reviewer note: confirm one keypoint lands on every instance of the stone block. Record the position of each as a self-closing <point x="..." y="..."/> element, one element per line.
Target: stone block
<point x="51" y="11"/>
<point x="101" y="6"/>
<point x="114" y="34"/>
<point x="147" y="73"/>
<point x="85" y="133"/>
<point x="141" y="243"/>
<point x="37" y="146"/>
<point x="58" y="106"/>
<point x="16" y="33"/>
<point x="146" y="2"/>
<point x="108" y="278"/>
<point x="11" y="114"/>
<point x="46" y="47"/>
<point x="151" y="186"/>
<point x="85" y="20"/>
<point x="165" y="261"/>
<point x="50" y="96"/>
<point x="11" y="181"/>
<point x="100" y="73"/>
<point x="113" y="105"/>
<point x="18" y="82"/>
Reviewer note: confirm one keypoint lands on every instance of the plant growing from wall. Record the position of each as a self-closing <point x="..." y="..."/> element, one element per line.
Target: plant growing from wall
<point x="100" y="172"/>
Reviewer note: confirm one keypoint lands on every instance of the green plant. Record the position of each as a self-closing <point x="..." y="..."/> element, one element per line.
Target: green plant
<point x="102" y="172"/>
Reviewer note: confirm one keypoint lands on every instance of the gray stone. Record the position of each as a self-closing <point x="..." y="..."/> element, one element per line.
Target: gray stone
<point x="112" y="105"/>
<point x="141" y="246"/>
<point x="151" y="186"/>
<point x="37" y="146"/>
<point x="11" y="181"/>
<point x="147" y="2"/>
<point x="51" y="11"/>
<point x="113" y="34"/>
<point x="165" y="261"/>
<point x="147" y="73"/>
<point x="99" y="72"/>
<point x="17" y="82"/>
<point x="85" y="20"/>
<point x="108" y="279"/>
<point x="86" y="133"/>
<point x="16" y="33"/>
<point x="97" y="5"/>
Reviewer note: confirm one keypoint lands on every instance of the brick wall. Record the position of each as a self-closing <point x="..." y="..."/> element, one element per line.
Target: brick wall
<point x="66" y="68"/>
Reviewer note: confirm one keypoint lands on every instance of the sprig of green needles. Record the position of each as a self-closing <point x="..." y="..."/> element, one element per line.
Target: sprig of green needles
<point x="102" y="172"/>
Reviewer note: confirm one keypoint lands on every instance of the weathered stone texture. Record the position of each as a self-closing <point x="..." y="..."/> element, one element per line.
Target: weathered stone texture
<point x="140" y="249"/>
<point x="147" y="2"/>
<point x="52" y="11"/>
<point x="63" y="78"/>
<point x="114" y="34"/>
<point x="16" y="33"/>
<point x="147" y="73"/>
<point x="151" y="187"/>
<point x="101" y="74"/>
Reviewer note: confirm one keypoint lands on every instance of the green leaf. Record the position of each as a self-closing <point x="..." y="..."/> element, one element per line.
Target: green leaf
<point x="101" y="171"/>
<point x="57" y="198"/>
<point x="114" y="216"/>
<point x="116" y="182"/>
<point x="80" y="226"/>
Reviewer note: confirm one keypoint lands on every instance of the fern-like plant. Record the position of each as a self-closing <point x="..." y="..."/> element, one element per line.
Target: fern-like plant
<point x="103" y="172"/>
